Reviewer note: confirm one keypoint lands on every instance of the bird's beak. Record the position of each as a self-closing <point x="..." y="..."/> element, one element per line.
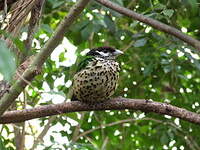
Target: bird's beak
<point x="118" y="52"/>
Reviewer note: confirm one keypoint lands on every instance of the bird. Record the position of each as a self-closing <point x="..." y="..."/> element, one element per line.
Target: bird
<point x="97" y="75"/>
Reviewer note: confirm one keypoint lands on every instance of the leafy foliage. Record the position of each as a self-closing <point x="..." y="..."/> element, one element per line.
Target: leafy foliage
<point x="7" y="62"/>
<point x="155" y="66"/>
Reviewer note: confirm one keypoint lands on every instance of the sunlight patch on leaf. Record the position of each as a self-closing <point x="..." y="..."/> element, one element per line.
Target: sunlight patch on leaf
<point x="140" y="42"/>
<point x="168" y="12"/>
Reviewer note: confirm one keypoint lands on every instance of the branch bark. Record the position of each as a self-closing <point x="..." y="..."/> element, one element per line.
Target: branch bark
<point x="45" y="52"/>
<point x="154" y="23"/>
<point x="9" y="3"/>
<point x="34" y="22"/>
<point x="114" y="104"/>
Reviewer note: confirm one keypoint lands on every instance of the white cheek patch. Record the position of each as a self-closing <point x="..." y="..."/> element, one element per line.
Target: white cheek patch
<point x="103" y="54"/>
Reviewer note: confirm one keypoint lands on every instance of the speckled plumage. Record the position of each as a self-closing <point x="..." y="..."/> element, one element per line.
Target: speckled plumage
<point x="97" y="81"/>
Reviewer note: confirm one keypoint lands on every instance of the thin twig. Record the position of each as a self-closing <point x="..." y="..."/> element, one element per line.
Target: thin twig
<point x="34" y="21"/>
<point x="40" y="137"/>
<point x="5" y="9"/>
<point x="77" y="129"/>
<point x="105" y="142"/>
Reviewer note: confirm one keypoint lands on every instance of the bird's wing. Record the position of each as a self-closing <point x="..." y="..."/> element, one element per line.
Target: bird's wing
<point x="84" y="63"/>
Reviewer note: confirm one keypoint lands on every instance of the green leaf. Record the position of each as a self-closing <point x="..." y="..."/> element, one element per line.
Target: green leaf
<point x="164" y="139"/>
<point x="80" y="25"/>
<point x="52" y="139"/>
<point x="148" y="69"/>
<point x="140" y="42"/>
<point x="57" y="4"/>
<point x="50" y="81"/>
<point x="197" y="64"/>
<point x="63" y="133"/>
<point x="165" y="61"/>
<point x="20" y="45"/>
<point x="167" y="68"/>
<point x="99" y="20"/>
<point x="7" y="61"/>
<point x="62" y="57"/>
<point x="109" y="23"/>
<point x="2" y="145"/>
<point x="159" y="6"/>
<point x="47" y="28"/>
<point x="194" y="5"/>
<point x="87" y="31"/>
<point x="168" y="12"/>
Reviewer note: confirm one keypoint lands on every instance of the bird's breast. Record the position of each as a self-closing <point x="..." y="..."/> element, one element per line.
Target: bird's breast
<point x="97" y="82"/>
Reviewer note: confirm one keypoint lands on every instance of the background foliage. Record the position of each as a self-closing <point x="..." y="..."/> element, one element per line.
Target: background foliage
<point x="155" y="66"/>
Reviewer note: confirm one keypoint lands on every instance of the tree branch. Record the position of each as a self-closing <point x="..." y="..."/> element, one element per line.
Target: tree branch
<point x="40" y="137"/>
<point x="154" y="23"/>
<point x="44" y="53"/>
<point x="9" y="3"/>
<point x="114" y="104"/>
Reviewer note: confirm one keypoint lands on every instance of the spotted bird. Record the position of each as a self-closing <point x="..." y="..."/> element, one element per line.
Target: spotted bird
<point x="97" y="75"/>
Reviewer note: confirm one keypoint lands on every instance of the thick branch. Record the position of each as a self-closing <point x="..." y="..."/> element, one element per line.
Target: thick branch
<point x="114" y="104"/>
<point x="45" y="52"/>
<point x="154" y="23"/>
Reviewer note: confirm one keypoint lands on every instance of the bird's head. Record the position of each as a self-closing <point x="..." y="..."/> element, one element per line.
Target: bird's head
<point x="105" y="52"/>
